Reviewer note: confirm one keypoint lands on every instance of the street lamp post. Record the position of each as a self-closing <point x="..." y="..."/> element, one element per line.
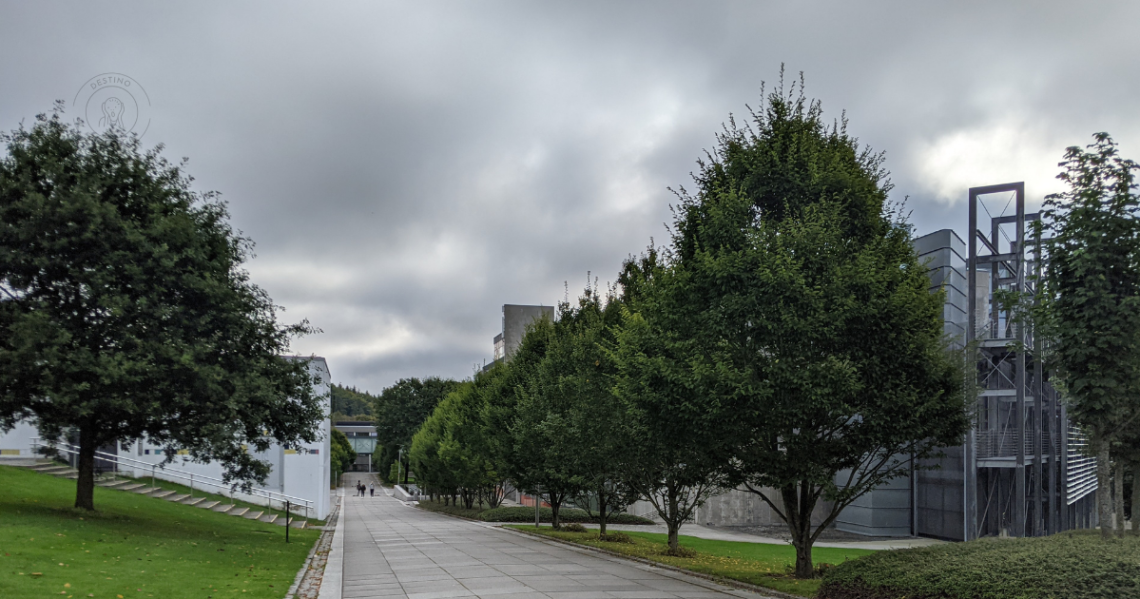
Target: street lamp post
<point x="399" y="464"/>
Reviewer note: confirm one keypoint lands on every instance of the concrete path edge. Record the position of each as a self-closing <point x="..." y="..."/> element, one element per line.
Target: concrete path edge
<point x="332" y="583"/>
<point x="292" y="592"/>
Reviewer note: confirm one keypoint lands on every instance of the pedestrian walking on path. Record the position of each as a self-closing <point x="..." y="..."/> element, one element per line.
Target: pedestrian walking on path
<point x="371" y="489"/>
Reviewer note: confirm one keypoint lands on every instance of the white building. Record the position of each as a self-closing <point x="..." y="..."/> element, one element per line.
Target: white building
<point x="301" y="472"/>
<point x="16" y="444"/>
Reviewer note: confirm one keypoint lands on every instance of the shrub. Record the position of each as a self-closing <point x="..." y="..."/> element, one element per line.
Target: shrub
<point x="454" y="510"/>
<point x="615" y="537"/>
<point x="572" y="527"/>
<point x="1069" y="565"/>
<point x="679" y="552"/>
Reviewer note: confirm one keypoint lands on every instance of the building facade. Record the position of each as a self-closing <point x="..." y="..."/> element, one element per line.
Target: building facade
<point x="362" y="437"/>
<point x="1021" y="470"/>
<point x="516" y="318"/>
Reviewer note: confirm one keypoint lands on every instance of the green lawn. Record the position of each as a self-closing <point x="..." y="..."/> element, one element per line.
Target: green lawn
<point x="135" y="546"/>
<point x="755" y="563"/>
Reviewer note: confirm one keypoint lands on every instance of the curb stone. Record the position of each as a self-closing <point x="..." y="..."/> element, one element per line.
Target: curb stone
<point x="333" y="572"/>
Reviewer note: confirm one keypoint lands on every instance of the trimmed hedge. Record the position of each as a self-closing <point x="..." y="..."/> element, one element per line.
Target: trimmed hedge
<point x="1068" y="565"/>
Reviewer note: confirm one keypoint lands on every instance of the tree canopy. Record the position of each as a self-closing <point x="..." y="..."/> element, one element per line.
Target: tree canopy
<point x="341" y="455"/>
<point x="792" y="299"/>
<point x="451" y="452"/>
<point x="1089" y="308"/>
<point x="399" y="411"/>
<point x="125" y="311"/>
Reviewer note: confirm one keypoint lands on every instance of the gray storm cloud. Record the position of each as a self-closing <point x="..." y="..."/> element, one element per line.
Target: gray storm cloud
<point x="406" y="169"/>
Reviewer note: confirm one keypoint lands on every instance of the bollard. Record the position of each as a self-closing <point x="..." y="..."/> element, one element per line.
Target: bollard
<point x="286" y="520"/>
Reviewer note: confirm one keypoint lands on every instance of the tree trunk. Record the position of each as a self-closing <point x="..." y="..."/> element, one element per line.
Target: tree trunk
<point x="405" y="475"/>
<point x="674" y="520"/>
<point x="554" y="507"/>
<point x="1118" y="499"/>
<point x="804" y="567"/>
<point x="674" y="527"/>
<point x="85" y="484"/>
<point x="602" y="511"/>
<point x="1103" y="493"/>
<point x="1136" y="499"/>
<point x="798" y="512"/>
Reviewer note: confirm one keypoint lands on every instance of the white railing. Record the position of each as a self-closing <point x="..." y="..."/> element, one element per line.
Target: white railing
<point x="258" y="494"/>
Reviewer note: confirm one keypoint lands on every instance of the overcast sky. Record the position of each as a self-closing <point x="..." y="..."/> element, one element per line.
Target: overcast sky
<point x="407" y="168"/>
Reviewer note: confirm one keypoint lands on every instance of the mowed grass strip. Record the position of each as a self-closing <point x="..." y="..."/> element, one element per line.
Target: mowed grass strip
<point x="760" y="564"/>
<point x="135" y="546"/>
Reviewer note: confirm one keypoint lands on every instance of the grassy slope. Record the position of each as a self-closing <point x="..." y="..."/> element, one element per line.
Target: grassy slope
<point x="134" y="546"/>
<point x="184" y="489"/>
<point x="755" y="563"/>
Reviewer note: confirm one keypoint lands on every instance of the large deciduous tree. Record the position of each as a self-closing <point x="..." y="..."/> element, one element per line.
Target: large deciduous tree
<point x="1090" y="300"/>
<point x="124" y="311"/>
<point x="537" y="427"/>
<point x="399" y="412"/>
<point x="676" y="450"/>
<point x="571" y="415"/>
<point x="810" y="317"/>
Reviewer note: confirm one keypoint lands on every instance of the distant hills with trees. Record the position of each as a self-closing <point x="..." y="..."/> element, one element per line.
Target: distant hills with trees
<point x="350" y="404"/>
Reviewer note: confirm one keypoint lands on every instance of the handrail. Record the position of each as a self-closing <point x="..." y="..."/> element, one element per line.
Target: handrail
<point x="270" y="496"/>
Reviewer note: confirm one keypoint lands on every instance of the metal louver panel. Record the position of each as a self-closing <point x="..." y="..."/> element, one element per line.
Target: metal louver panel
<point x="1080" y="468"/>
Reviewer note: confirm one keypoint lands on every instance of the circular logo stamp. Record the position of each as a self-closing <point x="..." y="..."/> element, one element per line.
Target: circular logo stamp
<point x="114" y="100"/>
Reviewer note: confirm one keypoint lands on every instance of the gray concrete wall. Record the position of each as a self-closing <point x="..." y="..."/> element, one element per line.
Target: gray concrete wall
<point x="883" y="512"/>
<point x="736" y="507"/>
<point x="515" y="320"/>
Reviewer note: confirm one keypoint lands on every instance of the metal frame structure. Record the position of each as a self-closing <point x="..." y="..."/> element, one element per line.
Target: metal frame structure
<point x="1020" y="453"/>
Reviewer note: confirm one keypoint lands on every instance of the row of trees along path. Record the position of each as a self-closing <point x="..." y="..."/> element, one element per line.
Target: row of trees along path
<point x="784" y="341"/>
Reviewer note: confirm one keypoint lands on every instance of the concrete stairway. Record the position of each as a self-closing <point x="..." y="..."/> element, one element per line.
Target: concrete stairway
<point x="63" y="471"/>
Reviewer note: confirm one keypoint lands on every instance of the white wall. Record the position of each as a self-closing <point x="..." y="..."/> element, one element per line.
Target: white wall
<point x="17" y="443"/>
<point x="302" y="472"/>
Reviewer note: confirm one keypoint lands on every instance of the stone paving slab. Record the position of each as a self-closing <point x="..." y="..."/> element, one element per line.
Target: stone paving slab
<point x="393" y="550"/>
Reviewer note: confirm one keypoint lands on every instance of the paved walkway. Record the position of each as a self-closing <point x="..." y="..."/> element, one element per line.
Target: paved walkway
<point x="391" y="550"/>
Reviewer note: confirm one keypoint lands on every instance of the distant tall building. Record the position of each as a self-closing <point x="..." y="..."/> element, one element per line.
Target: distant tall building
<point x="516" y="319"/>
